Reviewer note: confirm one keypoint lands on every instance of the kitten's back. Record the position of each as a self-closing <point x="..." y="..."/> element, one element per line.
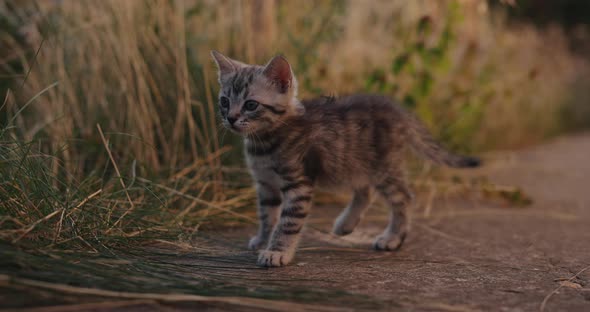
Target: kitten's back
<point x="363" y="133"/>
<point x="352" y="136"/>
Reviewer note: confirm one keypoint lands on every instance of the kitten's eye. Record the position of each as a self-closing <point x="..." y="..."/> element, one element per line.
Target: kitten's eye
<point x="250" y="105"/>
<point x="224" y="102"/>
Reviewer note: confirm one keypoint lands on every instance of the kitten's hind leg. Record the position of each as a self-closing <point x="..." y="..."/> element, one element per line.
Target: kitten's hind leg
<point x="353" y="213"/>
<point x="398" y="197"/>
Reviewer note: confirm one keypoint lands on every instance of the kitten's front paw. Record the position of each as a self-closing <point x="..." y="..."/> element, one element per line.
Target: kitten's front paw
<point x="390" y="242"/>
<point x="268" y="258"/>
<point x="256" y="242"/>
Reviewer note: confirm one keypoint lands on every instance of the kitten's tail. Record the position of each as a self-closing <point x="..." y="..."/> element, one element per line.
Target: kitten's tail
<point x="424" y="144"/>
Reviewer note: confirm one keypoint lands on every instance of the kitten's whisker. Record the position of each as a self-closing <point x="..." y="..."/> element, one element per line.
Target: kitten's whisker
<point x="254" y="140"/>
<point x="223" y="136"/>
<point x="251" y="138"/>
<point x="284" y="123"/>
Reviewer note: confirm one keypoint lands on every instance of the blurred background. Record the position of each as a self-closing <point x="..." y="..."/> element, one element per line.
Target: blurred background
<point x="108" y="120"/>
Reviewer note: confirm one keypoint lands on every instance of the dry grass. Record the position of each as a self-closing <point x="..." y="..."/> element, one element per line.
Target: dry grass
<point x="123" y="66"/>
<point x="108" y="132"/>
<point x="141" y="71"/>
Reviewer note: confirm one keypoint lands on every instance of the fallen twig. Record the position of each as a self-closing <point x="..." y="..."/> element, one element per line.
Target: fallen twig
<point x="128" y="211"/>
<point x="84" y="201"/>
<point x="262" y="304"/>
<point x="556" y="290"/>
<point x="92" y="306"/>
<point x="30" y="228"/>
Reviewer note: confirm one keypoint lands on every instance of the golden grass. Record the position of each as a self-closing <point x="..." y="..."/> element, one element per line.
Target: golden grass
<point x="141" y="70"/>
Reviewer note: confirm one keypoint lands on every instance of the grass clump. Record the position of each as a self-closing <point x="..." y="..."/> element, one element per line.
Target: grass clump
<point x="47" y="211"/>
<point x="152" y="167"/>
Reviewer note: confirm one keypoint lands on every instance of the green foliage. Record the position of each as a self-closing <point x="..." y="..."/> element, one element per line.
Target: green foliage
<point x="422" y="63"/>
<point x="320" y="29"/>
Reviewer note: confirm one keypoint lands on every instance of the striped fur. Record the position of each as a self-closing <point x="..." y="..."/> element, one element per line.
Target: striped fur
<point x="352" y="143"/>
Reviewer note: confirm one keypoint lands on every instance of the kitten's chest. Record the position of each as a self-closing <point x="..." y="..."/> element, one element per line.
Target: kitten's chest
<point x="264" y="169"/>
<point x="260" y="163"/>
<point x="284" y="155"/>
<point x="261" y="159"/>
<point x="267" y="152"/>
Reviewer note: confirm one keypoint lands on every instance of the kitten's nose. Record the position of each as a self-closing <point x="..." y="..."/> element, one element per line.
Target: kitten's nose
<point x="231" y="120"/>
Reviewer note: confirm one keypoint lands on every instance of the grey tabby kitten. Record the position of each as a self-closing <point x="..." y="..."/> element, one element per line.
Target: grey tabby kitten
<point x="351" y="143"/>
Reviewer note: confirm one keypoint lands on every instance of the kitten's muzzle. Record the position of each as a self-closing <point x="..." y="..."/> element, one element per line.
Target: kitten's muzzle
<point x="231" y="120"/>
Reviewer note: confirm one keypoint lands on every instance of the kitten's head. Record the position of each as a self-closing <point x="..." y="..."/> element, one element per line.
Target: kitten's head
<point x="255" y="99"/>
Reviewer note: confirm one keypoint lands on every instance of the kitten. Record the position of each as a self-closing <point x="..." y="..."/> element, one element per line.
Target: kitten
<point x="350" y="143"/>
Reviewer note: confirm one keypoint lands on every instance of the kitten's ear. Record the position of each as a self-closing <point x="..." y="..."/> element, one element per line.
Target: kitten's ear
<point x="225" y="65"/>
<point x="279" y="72"/>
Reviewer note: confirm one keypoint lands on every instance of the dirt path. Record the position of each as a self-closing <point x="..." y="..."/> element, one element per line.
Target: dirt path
<point x="467" y="257"/>
<point x="463" y="257"/>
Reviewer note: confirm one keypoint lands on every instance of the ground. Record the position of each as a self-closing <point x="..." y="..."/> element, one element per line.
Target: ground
<point x="467" y="255"/>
